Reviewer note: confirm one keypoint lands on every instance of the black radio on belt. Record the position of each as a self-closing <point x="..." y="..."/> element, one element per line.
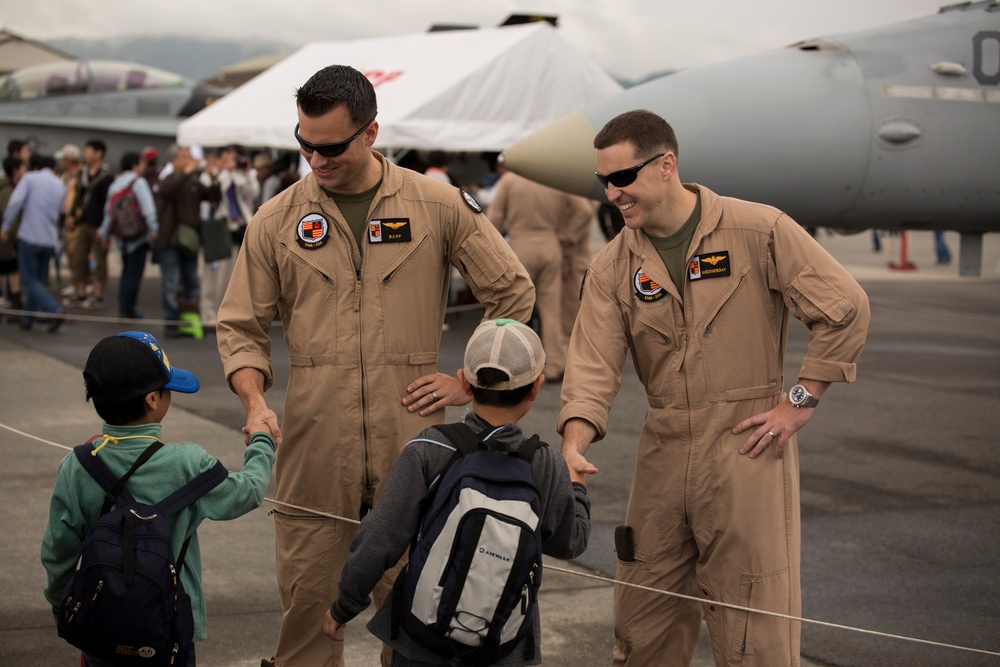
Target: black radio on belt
<point x="624" y="544"/>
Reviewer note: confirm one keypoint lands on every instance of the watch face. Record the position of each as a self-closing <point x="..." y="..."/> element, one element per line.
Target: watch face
<point x="797" y="394"/>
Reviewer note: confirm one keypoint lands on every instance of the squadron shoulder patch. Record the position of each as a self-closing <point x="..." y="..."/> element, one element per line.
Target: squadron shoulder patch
<point x="313" y="231"/>
<point x="389" y="230"/>
<point x="647" y="289"/>
<point x="471" y="201"/>
<point x="711" y="265"/>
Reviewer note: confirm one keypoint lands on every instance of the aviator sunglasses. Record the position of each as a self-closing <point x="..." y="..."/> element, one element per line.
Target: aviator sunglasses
<point x="619" y="178"/>
<point x="331" y="150"/>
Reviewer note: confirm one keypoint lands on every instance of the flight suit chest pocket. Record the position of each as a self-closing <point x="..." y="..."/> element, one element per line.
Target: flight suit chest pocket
<point x="738" y="335"/>
<point x="308" y="286"/>
<point x="723" y="299"/>
<point x="400" y="261"/>
<point x="654" y="342"/>
<point x="410" y="287"/>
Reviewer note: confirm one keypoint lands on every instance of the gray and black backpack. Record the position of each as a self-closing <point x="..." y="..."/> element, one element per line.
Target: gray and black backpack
<point x="469" y="590"/>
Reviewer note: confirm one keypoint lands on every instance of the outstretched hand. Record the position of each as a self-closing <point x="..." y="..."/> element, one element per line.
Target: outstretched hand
<point x="262" y="420"/>
<point x="579" y="467"/>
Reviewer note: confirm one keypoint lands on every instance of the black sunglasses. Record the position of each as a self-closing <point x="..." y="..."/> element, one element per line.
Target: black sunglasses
<point x="331" y="150"/>
<point x="623" y="177"/>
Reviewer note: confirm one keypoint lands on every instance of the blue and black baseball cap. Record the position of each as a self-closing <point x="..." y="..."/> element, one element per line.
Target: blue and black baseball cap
<point x="132" y="364"/>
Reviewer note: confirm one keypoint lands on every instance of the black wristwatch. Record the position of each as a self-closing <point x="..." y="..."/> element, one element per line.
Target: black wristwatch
<point x="800" y="397"/>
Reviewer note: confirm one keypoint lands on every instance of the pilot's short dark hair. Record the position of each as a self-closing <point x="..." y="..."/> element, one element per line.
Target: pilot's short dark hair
<point x="646" y="131"/>
<point x="334" y="86"/>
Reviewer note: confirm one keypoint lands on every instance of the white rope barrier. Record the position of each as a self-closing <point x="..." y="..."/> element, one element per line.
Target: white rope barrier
<point x="615" y="582"/>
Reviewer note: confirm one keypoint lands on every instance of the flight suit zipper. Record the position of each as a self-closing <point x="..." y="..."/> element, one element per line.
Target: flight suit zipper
<point x="364" y="382"/>
<point x="369" y="493"/>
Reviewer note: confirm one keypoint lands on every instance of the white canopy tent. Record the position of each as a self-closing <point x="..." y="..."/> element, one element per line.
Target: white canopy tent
<point x="464" y="90"/>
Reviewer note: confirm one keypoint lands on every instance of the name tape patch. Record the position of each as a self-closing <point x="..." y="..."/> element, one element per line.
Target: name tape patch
<point x="389" y="230"/>
<point x="710" y="265"/>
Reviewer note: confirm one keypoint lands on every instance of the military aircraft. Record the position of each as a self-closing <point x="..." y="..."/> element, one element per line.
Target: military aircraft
<point x="128" y="105"/>
<point x="896" y="127"/>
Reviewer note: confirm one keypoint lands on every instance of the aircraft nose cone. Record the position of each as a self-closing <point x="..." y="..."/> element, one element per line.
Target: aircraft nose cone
<point x="560" y="155"/>
<point x="768" y="127"/>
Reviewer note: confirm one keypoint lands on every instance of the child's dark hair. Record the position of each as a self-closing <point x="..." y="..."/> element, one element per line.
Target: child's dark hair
<point x="119" y="413"/>
<point x="500" y="398"/>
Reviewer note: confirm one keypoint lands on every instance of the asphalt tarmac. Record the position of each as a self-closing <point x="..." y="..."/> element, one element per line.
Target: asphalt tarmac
<point x="900" y="481"/>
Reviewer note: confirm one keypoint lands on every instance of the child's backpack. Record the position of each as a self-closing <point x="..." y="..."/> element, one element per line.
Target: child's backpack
<point x="127" y="221"/>
<point x="125" y="603"/>
<point x="469" y="589"/>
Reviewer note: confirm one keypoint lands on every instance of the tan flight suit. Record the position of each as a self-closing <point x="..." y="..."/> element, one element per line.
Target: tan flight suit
<point x="575" y="240"/>
<point x="534" y="217"/>
<point x="359" y="327"/>
<point x="707" y="520"/>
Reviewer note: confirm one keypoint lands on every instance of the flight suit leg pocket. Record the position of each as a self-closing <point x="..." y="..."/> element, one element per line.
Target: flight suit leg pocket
<point x="760" y="639"/>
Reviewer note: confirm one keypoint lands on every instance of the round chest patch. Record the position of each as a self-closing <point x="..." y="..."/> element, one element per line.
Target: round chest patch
<point x="645" y="288"/>
<point x="313" y="231"/>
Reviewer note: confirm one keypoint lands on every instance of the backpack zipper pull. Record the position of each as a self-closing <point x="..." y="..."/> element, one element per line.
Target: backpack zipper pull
<point x="73" y="613"/>
<point x="100" y="585"/>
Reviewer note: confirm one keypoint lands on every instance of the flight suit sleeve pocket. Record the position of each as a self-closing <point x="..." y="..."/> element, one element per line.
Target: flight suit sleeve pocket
<point x="811" y="298"/>
<point x="482" y="264"/>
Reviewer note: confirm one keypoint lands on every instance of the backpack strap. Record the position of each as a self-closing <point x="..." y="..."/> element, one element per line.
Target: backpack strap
<point x="528" y="448"/>
<point x="189" y="493"/>
<point x="396" y="611"/>
<point x="462" y="436"/>
<point x="466" y="441"/>
<point x="99" y="470"/>
<point x="170" y="505"/>
<point x="193" y="490"/>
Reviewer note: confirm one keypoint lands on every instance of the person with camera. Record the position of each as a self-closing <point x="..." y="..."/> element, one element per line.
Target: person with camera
<point x="224" y="226"/>
<point x="179" y="197"/>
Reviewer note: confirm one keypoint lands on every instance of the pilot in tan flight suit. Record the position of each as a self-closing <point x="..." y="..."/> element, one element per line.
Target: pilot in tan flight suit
<point x="698" y="288"/>
<point x="355" y="258"/>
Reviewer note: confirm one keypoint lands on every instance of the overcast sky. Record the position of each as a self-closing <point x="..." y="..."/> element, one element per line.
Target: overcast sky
<point x="629" y="38"/>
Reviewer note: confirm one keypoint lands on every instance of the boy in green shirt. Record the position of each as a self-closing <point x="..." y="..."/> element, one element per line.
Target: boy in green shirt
<point x="130" y="380"/>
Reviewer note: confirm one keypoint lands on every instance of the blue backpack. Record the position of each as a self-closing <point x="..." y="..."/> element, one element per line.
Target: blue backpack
<point x="469" y="590"/>
<point x="125" y="604"/>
